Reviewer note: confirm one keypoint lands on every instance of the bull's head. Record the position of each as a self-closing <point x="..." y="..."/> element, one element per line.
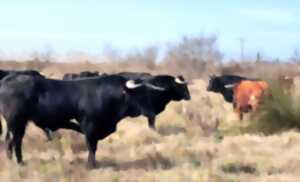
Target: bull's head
<point x="214" y="84"/>
<point x="180" y="89"/>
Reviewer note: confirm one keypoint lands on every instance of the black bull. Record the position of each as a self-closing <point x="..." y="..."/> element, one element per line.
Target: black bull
<point x="98" y="104"/>
<point x="223" y="84"/>
<point x="151" y="108"/>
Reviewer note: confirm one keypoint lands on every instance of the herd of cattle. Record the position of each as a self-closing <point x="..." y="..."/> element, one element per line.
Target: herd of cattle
<point x="99" y="101"/>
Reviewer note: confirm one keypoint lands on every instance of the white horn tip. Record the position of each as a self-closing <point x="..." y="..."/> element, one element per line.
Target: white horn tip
<point x="177" y="80"/>
<point x="131" y="85"/>
<point x="229" y="85"/>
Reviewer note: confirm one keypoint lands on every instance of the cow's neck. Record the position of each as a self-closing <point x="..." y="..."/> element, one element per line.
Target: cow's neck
<point x="161" y="99"/>
<point x="227" y="94"/>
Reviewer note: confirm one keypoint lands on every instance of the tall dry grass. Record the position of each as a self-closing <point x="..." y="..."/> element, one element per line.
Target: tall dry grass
<point x="277" y="113"/>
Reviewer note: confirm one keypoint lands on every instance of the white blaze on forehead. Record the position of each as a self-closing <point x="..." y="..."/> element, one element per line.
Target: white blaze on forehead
<point x="132" y="85"/>
<point x="177" y="80"/>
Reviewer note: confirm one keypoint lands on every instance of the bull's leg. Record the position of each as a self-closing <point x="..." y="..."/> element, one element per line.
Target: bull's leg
<point x="48" y="133"/>
<point x="9" y="145"/>
<point x="234" y="105"/>
<point x="239" y="111"/>
<point x="151" y="122"/>
<point x="18" y="134"/>
<point x="92" y="147"/>
<point x="14" y="136"/>
<point x="0" y="127"/>
<point x="241" y="115"/>
<point x="91" y="142"/>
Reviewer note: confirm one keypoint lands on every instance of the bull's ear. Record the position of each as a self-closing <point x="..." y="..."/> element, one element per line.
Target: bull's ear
<point x="229" y="86"/>
<point x="132" y="85"/>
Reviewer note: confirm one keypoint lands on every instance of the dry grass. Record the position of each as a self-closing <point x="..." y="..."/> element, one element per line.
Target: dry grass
<point x="190" y="145"/>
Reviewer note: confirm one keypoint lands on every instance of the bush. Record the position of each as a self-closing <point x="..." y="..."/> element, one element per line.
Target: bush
<point x="277" y="113"/>
<point x="192" y="55"/>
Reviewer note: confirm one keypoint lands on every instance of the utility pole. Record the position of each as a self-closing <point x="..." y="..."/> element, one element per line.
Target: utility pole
<point x="242" y="47"/>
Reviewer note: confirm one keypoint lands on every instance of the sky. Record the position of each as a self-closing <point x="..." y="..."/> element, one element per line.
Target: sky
<point x="268" y="26"/>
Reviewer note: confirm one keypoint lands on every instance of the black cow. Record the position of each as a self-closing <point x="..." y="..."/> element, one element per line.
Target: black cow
<point x="4" y="73"/>
<point x="150" y="101"/>
<point x="83" y="74"/>
<point x="223" y="84"/>
<point x="98" y="104"/>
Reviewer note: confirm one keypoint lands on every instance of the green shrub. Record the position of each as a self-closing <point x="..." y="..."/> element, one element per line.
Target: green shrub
<point x="279" y="112"/>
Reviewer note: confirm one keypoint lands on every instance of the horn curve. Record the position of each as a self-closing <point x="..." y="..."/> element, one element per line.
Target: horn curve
<point x="179" y="81"/>
<point x="155" y="87"/>
<point x="132" y="85"/>
<point x="229" y="85"/>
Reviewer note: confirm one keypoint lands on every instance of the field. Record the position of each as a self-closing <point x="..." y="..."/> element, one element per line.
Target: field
<point x="199" y="140"/>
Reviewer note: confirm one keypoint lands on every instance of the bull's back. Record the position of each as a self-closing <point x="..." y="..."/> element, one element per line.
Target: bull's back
<point x="81" y="97"/>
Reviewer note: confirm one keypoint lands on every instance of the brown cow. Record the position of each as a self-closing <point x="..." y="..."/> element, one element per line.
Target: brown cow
<point x="247" y="96"/>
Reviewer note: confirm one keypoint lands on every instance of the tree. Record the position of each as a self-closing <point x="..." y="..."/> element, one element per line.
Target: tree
<point x="192" y="54"/>
<point x="145" y="56"/>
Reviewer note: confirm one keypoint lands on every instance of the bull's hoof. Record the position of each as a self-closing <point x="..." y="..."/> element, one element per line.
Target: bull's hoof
<point x="9" y="154"/>
<point x="152" y="127"/>
<point x="49" y="138"/>
<point x="22" y="163"/>
<point x="91" y="165"/>
<point x="49" y="135"/>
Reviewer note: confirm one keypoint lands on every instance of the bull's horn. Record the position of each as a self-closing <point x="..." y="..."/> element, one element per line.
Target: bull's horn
<point x="155" y="87"/>
<point x="132" y="85"/>
<point x="179" y="81"/>
<point x="229" y="85"/>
